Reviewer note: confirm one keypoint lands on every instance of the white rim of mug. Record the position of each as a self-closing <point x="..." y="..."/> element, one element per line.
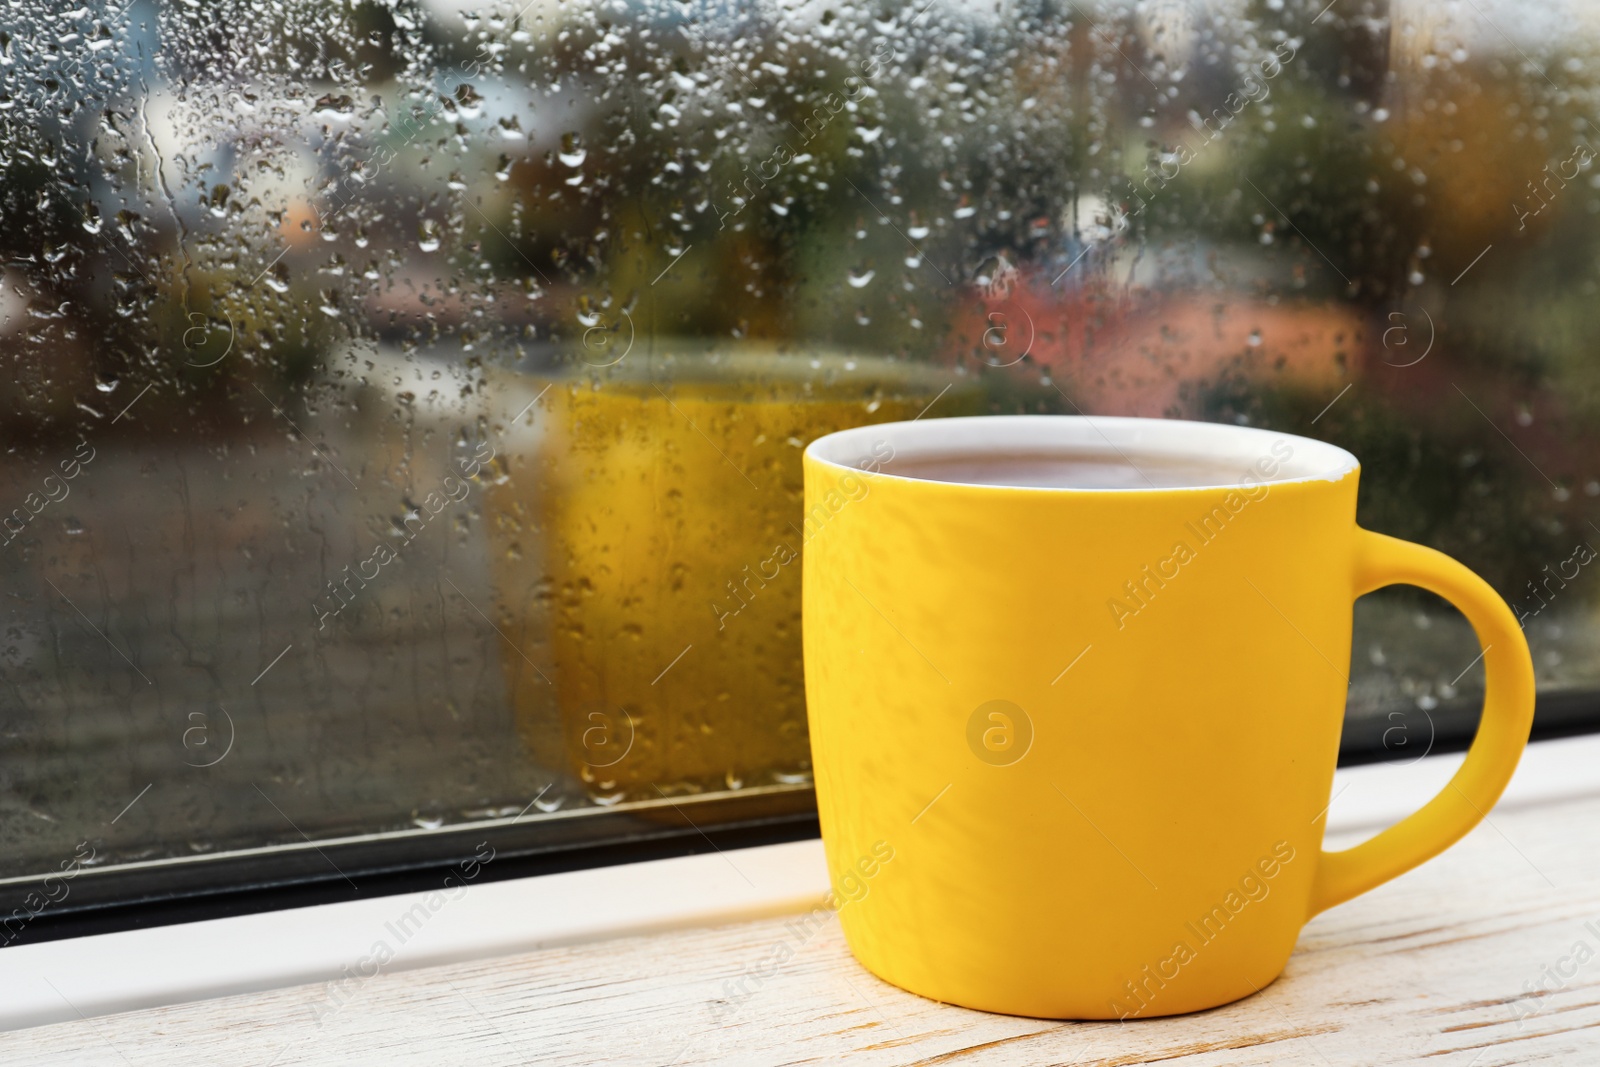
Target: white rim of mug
<point x="1338" y="463"/>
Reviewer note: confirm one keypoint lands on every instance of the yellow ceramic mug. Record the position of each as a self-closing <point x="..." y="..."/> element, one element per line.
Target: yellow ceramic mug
<point x="1074" y="746"/>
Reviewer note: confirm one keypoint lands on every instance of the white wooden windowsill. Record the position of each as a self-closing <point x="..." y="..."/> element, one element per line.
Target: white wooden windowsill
<point x="1433" y="968"/>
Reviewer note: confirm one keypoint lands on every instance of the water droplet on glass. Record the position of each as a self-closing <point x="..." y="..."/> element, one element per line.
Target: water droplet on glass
<point x="572" y="151"/>
<point x="340" y="106"/>
<point x="468" y="102"/>
<point x="428" y="235"/>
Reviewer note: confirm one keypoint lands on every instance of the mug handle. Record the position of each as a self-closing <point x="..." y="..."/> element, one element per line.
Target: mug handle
<point x="1502" y="732"/>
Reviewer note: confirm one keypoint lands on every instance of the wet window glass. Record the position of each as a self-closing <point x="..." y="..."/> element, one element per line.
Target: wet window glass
<point x="404" y="401"/>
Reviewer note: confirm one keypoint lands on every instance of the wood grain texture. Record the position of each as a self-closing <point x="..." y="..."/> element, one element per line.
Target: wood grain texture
<point x="1434" y="968"/>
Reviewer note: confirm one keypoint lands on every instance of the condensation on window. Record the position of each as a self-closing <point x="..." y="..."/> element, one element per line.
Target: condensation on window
<point x="405" y="400"/>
